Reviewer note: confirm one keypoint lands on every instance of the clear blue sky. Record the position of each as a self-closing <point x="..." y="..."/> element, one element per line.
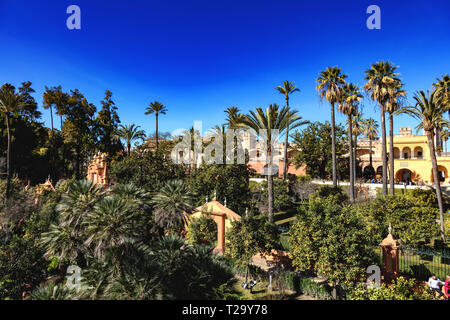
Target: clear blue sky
<point x="200" y="57"/>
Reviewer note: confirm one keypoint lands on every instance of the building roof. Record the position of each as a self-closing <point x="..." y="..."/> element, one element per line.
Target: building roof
<point x="216" y="208"/>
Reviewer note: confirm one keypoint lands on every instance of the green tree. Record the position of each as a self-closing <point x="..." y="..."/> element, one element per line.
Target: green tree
<point x="265" y="122"/>
<point x="329" y="86"/>
<point x="394" y="103"/>
<point x="157" y="108"/>
<point x="443" y="87"/>
<point x="130" y="133"/>
<point x="380" y="79"/>
<point x="172" y="202"/>
<point x="331" y="240"/>
<point x="10" y="102"/>
<point x="107" y="124"/>
<point x="202" y="230"/>
<point x="348" y="105"/>
<point x="287" y="89"/>
<point x="428" y="110"/>
<point x="315" y="143"/>
<point x="370" y="130"/>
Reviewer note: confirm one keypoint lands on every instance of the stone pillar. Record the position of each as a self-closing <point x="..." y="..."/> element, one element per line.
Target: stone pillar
<point x="391" y="249"/>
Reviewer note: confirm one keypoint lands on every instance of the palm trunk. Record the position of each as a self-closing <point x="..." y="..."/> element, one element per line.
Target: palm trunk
<point x="61" y="118"/>
<point x="51" y="116"/>
<point x="370" y="156"/>
<point x="383" y="150"/>
<point x="8" y="159"/>
<point x="333" y="146"/>
<point x="128" y="149"/>
<point x="437" y="184"/>
<point x="286" y="144"/>
<point x="350" y="148"/>
<point x="156" y="115"/>
<point x="270" y="185"/>
<point x="355" y="141"/>
<point x="391" y="154"/>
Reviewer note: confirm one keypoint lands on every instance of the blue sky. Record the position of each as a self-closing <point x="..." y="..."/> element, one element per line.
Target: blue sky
<point x="200" y="57"/>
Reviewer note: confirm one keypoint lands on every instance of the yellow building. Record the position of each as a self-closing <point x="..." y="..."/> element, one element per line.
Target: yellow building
<point x="411" y="158"/>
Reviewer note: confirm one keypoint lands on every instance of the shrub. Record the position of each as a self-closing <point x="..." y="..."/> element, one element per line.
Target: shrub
<point x="202" y="230"/>
<point x="400" y="289"/>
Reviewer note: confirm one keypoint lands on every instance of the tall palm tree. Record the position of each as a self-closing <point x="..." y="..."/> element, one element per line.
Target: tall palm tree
<point x="130" y="133"/>
<point x="380" y="78"/>
<point x="358" y="121"/>
<point x="329" y="86"/>
<point x="10" y="102"/>
<point x="370" y="130"/>
<point x="287" y="89"/>
<point x="445" y="134"/>
<point x="48" y="102"/>
<point x="172" y="201"/>
<point x="443" y="85"/>
<point x="233" y="117"/>
<point x="265" y="122"/>
<point x="428" y="110"/>
<point x="394" y="103"/>
<point x="348" y="105"/>
<point x="157" y="108"/>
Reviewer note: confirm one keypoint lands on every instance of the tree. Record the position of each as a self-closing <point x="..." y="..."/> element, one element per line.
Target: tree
<point x="445" y="134"/>
<point x="233" y="117"/>
<point x="331" y="240"/>
<point x="380" y="78"/>
<point x="130" y="133"/>
<point x="428" y="110"/>
<point x="443" y="87"/>
<point x="157" y="108"/>
<point x="348" y="105"/>
<point x="329" y="86"/>
<point x="287" y="89"/>
<point x="357" y="123"/>
<point x="107" y="124"/>
<point x="250" y="236"/>
<point x="394" y="103"/>
<point x="78" y="128"/>
<point x="370" y="130"/>
<point x="315" y="145"/>
<point x="172" y="203"/>
<point x="10" y="102"/>
<point x="264" y="123"/>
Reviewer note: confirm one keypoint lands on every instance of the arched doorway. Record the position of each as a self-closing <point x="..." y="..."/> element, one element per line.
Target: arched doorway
<point x="404" y="175"/>
<point x="442" y="172"/>
<point x="396" y="153"/>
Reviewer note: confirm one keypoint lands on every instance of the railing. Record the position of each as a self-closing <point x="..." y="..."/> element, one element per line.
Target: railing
<point x="421" y="263"/>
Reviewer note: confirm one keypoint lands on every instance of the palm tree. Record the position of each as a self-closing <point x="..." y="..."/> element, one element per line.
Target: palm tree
<point x="370" y="130"/>
<point x="265" y="122"/>
<point x="380" y="78"/>
<point x="358" y="121"/>
<point x="157" y="108"/>
<point x="66" y="239"/>
<point x="172" y="201"/>
<point x="130" y="133"/>
<point x="394" y="103"/>
<point x="443" y="85"/>
<point x="330" y="82"/>
<point x="287" y="89"/>
<point x="233" y="117"/>
<point x="428" y="110"/>
<point x="10" y="102"/>
<point x="348" y="105"/>
<point x="445" y="134"/>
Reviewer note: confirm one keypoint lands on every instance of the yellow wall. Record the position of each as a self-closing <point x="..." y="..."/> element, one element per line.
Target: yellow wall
<point x="420" y="168"/>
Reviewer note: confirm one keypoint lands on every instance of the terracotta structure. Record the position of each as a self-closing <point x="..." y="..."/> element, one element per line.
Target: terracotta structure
<point x="391" y="249"/>
<point x="221" y="215"/>
<point x="98" y="170"/>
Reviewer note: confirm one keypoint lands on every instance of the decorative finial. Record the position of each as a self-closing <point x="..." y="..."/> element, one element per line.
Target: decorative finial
<point x="246" y="212"/>
<point x="225" y="202"/>
<point x="215" y="195"/>
<point x="390" y="228"/>
<point x="206" y="199"/>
